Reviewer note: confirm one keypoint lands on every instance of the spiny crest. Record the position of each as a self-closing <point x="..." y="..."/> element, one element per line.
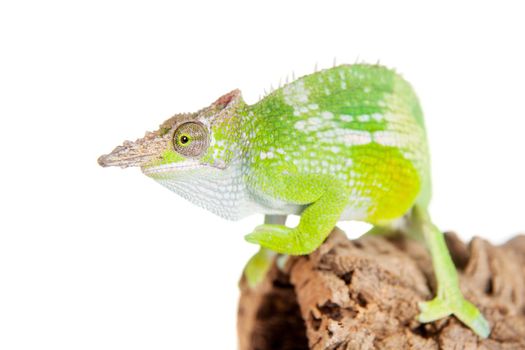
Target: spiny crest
<point x="316" y="69"/>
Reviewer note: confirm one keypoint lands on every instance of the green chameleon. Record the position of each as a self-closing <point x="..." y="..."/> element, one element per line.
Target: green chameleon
<point x="346" y="143"/>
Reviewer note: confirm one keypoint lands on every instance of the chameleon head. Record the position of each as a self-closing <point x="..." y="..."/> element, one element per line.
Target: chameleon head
<point x="185" y="144"/>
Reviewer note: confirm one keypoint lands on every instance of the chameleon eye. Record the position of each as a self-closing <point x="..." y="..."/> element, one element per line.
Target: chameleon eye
<point x="190" y="139"/>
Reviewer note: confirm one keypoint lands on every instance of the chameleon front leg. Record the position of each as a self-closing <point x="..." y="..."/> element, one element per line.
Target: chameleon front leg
<point x="327" y="200"/>
<point x="449" y="300"/>
<point x="259" y="264"/>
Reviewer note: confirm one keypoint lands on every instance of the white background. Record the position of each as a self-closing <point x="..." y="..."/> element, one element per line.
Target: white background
<point x="94" y="258"/>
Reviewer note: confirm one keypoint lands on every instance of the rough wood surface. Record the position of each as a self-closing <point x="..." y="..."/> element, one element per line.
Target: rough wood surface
<point x="363" y="294"/>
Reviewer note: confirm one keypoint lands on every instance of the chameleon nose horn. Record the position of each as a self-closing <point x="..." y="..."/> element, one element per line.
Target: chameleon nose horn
<point x="136" y="153"/>
<point x="123" y="157"/>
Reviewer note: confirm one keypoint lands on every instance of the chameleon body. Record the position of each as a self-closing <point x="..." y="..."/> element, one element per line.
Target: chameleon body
<point x="346" y="143"/>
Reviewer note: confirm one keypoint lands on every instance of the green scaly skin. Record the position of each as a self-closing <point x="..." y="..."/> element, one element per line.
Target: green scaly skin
<point x="346" y="143"/>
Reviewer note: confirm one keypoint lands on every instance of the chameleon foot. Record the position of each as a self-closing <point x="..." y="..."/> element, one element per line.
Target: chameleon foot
<point x="449" y="299"/>
<point x="257" y="267"/>
<point x="280" y="239"/>
<point x="465" y="311"/>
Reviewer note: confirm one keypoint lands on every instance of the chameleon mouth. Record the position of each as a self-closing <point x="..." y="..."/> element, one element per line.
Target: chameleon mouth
<point x="171" y="168"/>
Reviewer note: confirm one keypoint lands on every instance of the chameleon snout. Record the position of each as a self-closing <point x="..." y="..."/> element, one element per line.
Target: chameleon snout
<point x="135" y="154"/>
<point x="124" y="158"/>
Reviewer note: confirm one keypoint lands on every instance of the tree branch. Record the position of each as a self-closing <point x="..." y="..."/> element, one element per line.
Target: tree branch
<point x="363" y="294"/>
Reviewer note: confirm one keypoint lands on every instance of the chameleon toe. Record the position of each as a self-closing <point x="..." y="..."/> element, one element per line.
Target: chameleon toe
<point x="465" y="311"/>
<point x="280" y="239"/>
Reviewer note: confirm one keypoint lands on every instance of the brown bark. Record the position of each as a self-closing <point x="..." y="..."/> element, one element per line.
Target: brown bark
<point x="363" y="294"/>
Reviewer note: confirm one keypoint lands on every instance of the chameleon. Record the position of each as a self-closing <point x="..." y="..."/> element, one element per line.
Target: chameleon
<point x="345" y="143"/>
